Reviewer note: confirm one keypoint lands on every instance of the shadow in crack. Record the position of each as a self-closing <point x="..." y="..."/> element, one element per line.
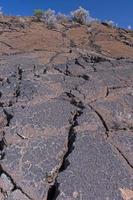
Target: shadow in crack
<point x="71" y="141"/>
<point x="53" y="191"/>
<point x="8" y="117"/>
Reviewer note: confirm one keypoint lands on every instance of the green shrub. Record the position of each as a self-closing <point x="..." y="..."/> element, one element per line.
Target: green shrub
<point x="38" y="14"/>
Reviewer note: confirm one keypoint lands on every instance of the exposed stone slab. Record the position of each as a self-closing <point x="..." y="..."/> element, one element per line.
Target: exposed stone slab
<point x="116" y="110"/>
<point x="123" y="141"/>
<point x="33" y="164"/>
<point x="95" y="171"/>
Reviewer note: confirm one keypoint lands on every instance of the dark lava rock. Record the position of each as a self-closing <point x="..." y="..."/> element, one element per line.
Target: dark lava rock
<point x="95" y="171"/>
<point x="66" y="130"/>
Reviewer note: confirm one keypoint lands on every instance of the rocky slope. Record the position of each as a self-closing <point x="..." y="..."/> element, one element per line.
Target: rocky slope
<point x="66" y="111"/>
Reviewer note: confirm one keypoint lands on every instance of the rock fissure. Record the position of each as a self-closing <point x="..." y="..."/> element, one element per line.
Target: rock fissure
<point x="15" y="186"/>
<point x="102" y="120"/>
<point x="54" y="190"/>
<point x="19" y="77"/>
<point x="9" y="117"/>
<point x="122" y="155"/>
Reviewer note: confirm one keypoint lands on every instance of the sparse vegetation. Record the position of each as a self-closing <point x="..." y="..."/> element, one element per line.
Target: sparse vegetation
<point x="38" y="14"/>
<point x="111" y="23"/>
<point x="49" y="18"/>
<point x="62" y="18"/>
<point x="81" y="16"/>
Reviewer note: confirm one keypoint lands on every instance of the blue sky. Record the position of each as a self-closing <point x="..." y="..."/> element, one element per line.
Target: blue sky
<point x="120" y="11"/>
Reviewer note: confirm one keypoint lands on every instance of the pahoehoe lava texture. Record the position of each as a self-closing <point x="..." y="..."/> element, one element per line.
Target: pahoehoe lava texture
<point x="66" y="130"/>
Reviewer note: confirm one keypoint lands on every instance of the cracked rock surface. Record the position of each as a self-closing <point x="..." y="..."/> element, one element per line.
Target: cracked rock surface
<point x="66" y="130"/>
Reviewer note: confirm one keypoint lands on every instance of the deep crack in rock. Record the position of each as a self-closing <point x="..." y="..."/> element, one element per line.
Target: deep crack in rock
<point x="54" y="189"/>
<point x="9" y="117"/>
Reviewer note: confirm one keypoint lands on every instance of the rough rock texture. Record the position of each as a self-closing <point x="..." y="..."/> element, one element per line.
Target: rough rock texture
<point x="66" y="129"/>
